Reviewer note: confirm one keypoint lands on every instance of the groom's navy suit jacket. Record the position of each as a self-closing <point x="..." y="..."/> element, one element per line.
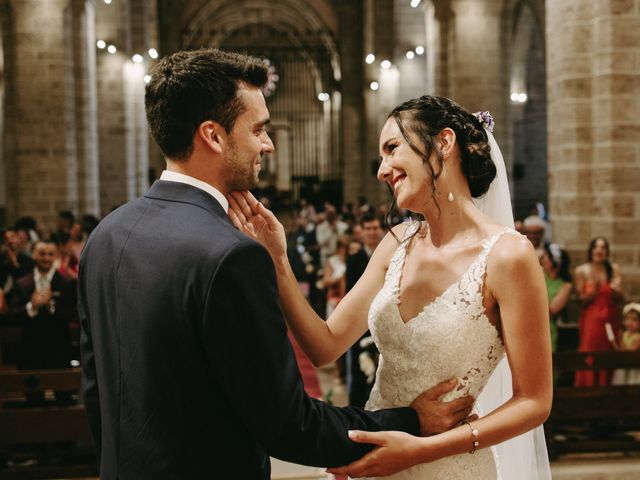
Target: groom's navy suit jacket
<point x="187" y="369"/>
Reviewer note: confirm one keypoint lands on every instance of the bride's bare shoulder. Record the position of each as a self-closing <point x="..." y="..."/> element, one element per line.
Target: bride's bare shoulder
<point x="511" y="253"/>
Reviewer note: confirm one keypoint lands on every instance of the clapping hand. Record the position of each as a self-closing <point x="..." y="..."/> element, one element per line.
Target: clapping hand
<point x="38" y="299"/>
<point x="258" y="222"/>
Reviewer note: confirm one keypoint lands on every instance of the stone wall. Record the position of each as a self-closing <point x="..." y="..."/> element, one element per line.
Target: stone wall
<point x="593" y="77"/>
<point x="68" y="140"/>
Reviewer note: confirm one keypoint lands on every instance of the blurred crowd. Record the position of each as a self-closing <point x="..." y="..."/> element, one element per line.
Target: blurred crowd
<point x="329" y="248"/>
<point x="38" y="272"/>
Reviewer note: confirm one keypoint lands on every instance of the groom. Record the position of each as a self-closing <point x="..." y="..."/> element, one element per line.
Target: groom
<point x="187" y="369"/>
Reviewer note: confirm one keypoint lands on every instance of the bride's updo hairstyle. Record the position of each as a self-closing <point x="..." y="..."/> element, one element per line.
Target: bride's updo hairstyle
<point x="426" y="117"/>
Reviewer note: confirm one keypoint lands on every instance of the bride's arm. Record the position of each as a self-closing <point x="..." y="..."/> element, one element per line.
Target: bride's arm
<point x="323" y="342"/>
<point x="514" y="278"/>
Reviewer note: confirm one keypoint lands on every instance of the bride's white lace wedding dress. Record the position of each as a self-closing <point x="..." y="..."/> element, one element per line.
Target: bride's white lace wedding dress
<point x="450" y="337"/>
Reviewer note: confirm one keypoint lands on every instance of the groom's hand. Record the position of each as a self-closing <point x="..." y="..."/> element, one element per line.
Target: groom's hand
<point x="436" y="416"/>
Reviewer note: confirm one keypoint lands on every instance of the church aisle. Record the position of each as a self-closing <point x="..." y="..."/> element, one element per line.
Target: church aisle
<point x="307" y="370"/>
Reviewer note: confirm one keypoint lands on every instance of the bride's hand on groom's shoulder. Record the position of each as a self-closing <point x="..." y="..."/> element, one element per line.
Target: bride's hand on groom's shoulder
<point x="394" y="452"/>
<point x="257" y="221"/>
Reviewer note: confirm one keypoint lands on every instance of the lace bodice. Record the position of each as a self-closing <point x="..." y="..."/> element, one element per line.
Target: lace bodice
<point x="451" y="337"/>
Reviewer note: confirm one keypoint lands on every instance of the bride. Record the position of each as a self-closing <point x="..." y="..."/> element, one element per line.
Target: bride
<point x="445" y="297"/>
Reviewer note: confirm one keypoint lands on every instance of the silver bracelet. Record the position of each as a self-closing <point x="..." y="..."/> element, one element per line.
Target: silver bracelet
<point x="474" y="437"/>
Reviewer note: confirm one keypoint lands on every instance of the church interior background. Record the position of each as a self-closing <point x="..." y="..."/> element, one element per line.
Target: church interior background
<point x="560" y="77"/>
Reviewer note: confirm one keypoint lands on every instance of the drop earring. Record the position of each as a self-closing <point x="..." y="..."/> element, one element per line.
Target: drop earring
<point x="450" y="196"/>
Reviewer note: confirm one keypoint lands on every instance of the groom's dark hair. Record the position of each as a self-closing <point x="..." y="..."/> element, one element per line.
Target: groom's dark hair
<point x="191" y="87"/>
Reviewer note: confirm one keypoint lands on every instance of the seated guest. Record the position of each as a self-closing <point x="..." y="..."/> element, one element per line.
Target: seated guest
<point x="44" y="303"/>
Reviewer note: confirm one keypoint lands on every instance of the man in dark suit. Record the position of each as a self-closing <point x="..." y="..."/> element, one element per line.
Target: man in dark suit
<point x="188" y="372"/>
<point x="358" y="387"/>
<point x="44" y="302"/>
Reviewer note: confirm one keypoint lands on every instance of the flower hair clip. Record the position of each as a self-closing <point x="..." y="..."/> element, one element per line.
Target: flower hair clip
<point x="485" y="119"/>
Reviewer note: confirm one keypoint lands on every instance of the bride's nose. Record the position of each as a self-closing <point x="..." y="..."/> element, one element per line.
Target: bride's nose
<point x="384" y="171"/>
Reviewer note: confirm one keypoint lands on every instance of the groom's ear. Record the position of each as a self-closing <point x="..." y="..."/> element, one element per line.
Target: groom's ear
<point x="213" y="135"/>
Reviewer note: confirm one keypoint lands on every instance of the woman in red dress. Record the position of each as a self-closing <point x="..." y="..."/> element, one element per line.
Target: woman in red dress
<point x="599" y="286"/>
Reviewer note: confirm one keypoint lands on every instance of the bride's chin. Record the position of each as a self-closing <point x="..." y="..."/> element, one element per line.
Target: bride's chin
<point x="403" y="202"/>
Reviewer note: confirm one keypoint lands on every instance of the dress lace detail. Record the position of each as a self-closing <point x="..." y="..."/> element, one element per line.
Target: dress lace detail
<point x="450" y="337"/>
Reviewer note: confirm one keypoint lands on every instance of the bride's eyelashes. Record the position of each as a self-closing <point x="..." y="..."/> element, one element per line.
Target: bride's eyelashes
<point x="390" y="147"/>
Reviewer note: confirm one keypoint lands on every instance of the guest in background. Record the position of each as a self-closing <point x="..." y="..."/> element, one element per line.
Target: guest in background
<point x="64" y="222"/>
<point x="334" y="275"/>
<point x="18" y="263"/>
<point x="306" y="211"/>
<point x="67" y="262"/>
<point x="555" y="263"/>
<point x="88" y="222"/>
<point x="629" y="341"/>
<point x="534" y="228"/>
<point x="45" y="304"/>
<point x="357" y="385"/>
<point x="328" y="232"/>
<point x="76" y="241"/>
<point x="599" y="286"/>
<point x="28" y="233"/>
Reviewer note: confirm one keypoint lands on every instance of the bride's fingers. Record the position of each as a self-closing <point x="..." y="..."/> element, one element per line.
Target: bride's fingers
<point x="244" y="227"/>
<point x="235" y="208"/>
<point x="251" y="200"/>
<point x="271" y="219"/>
<point x="359" y="436"/>
<point x="234" y="219"/>
<point x="242" y="203"/>
<point x="357" y="468"/>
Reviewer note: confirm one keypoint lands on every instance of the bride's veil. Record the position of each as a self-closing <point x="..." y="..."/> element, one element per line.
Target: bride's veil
<point x="524" y="457"/>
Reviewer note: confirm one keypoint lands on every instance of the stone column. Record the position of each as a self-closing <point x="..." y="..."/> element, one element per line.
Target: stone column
<point x="593" y="82"/>
<point x="350" y="39"/>
<point x="42" y="152"/>
<point x="470" y="58"/>
<point x="82" y="48"/>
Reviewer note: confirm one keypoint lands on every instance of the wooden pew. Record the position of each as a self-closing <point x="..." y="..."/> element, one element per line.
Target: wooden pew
<point x="9" y="344"/>
<point x="36" y="431"/>
<point x="598" y="418"/>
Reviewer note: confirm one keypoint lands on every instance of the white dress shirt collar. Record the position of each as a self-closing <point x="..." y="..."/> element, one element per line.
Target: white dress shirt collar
<point x="169" y="176"/>
<point x="41" y="280"/>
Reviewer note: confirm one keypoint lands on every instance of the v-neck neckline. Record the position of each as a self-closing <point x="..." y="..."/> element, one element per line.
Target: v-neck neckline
<point x="486" y="244"/>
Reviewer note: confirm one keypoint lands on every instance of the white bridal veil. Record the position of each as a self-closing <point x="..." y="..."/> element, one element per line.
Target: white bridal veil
<point x="523" y="457"/>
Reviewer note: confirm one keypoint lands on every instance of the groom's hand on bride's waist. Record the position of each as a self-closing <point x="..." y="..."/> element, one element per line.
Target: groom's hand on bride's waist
<point x="437" y="416"/>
